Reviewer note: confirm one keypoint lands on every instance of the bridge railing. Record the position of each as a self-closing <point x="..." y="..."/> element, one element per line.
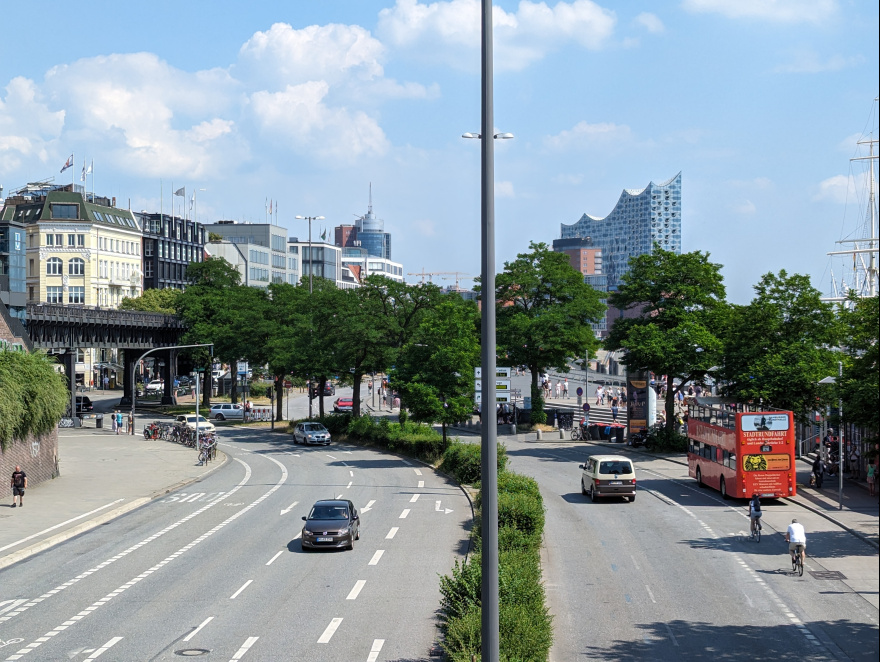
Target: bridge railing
<point x="97" y="315"/>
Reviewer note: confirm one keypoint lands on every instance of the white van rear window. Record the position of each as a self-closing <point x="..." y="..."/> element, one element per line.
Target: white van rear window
<point x="615" y="467"/>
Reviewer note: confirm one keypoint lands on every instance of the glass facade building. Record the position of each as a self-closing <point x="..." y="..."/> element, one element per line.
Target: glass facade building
<point x="640" y="219"/>
<point x="13" y="279"/>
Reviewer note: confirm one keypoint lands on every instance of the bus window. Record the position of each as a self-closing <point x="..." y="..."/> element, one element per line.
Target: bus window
<point x="732" y="464"/>
<point x="725" y="458"/>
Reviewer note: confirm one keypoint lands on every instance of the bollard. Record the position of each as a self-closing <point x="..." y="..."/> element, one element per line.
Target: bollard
<point x="562" y="434"/>
<point x="513" y="428"/>
<point x="539" y="435"/>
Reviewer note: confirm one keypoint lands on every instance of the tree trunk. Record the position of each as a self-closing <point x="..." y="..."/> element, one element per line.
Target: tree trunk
<point x="443" y="427"/>
<point x="233" y="393"/>
<point x="356" y="394"/>
<point x="670" y="403"/>
<point x="322" y="382"/>
<point x="279" y="397"/>
<point x="207" y="383"/>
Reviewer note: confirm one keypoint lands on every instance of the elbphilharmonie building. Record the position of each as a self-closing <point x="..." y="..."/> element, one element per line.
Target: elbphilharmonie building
<point x="600" y="248"/>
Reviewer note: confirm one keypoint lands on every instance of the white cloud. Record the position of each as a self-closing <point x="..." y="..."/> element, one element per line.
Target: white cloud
<point x="782" y="11"/>
<point x="746" y="207"/>
<point x="449" y="31"/>
<point x="27" y="127"/>
<point x="299" y="115"/>
<point x="650" y="22"/>
<point x="425" y="227"/>
<point x="835" y="189"/>
<point x="284" y="56"/>
<point x="504" y="190"/>
<point x="583" y="133"/>
<point x="808" y="62"/>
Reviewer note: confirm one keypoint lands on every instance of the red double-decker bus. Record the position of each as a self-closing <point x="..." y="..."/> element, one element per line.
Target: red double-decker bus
<point x="741" y="450"/>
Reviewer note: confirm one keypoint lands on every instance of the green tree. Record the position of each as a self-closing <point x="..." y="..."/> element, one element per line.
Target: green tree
<point x="33" y="396"/>
<point x="859" y="386"/>
<point x="544" y="314"/>
<point x="153" y="301"/>
<point x="777" y="347"/>
<point x="434" y="370"/>
<point x="681" y="312"/>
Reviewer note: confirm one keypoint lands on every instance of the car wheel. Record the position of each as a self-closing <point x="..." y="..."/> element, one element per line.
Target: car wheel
<point x="219" y="417"/>
<point x="593" y="493"/>
<point x="583" y="489"/>
<point x="723" y="488"/>
<point x="699" y="477"/>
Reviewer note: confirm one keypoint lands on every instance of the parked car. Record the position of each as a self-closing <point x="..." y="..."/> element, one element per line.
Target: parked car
<point x="189" y="420"/>
<point x="184" y="380"/>
<point x="156" y="386"/>
<point x="331" y="524"/>
<point x="225" y="411"/>
<point x="608" y="475"/>
<point x="343" y="404"/>
<point x="329" y="389"/>
<point x="83" y="404"/>
<point x="308" y="432"/>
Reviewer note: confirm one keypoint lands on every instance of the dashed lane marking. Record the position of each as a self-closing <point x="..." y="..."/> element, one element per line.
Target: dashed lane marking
<point x="375" y="650"/>
<point x="392" y="533"/>
<point x="330" y="631"/>
<point x="238" y="592"/>
<point x="244" y="648"/>
<point x="103" y="649"/>
<point x="376" y="557"/>
<point x="404" y="513"/>
<point x="415" y="497"/>
<point x="198" y="629"/>
<point x="421" y="483"/>
<point x="359" y="584"/>
<point x="418" y="472"/>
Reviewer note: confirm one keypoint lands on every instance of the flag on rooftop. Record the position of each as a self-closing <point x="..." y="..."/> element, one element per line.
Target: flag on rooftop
<point x="181" y="191"/>
<point x="68" y="163"/>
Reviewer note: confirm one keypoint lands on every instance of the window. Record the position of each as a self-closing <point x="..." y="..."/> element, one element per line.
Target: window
<point x="76" y="267"/>
<point x="64" y="211"/>
<point x="54" y="266"/>
<point x="71" y="240"/>
<point x="50" y="240"/>
<point x="76" y="295"/>
<point x="148" y="248"/>
<point x="55" y="294"/>
<point x="148" y="270"/>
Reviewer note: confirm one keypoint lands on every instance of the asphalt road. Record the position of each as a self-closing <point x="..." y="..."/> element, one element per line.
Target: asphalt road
<point x="218" y="567"/>
<point x="674" y="576"/>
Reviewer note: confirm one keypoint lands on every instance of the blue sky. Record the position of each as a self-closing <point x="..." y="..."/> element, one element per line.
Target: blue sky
<point x="758" y="103"/>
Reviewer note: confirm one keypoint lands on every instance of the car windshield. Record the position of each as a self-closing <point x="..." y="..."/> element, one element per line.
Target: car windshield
<point x="615" y="467"/>
<point x="192" y="419"/>
<point x="314" y="427"/>
<point x="329" y="512"/>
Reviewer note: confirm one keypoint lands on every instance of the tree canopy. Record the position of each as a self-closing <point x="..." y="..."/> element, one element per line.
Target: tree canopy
<point x="152" y="301"/>
<point x="859" y="387"/>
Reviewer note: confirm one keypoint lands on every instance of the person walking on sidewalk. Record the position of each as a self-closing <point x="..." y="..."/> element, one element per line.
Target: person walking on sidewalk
<point x="18" y="484"/>
<point x="565" y="388"/>
<point x="872" y="476"/>
<point x="819" y="471"/>
<point x="113" y="421"/>
<point x="599" y="394"/>
<point x="614" y="410"/>
<point x="118" y="422"/>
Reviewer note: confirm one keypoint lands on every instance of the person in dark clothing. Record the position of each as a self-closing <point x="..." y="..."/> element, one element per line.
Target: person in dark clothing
<point x="818" y="471"/>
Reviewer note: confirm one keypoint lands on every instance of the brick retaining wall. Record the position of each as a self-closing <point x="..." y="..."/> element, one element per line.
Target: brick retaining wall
<point x="37" y="457"/>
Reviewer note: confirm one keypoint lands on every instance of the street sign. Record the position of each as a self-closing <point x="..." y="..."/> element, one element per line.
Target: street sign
<point x="242" y="368"/>
<point x="500" y="373"/>
<point x="586" y="407"/>
<point x="579" y="391"/>
<point x="527" y="402"/>
<point x="502" y="385"/>
<point x="499" y="397"/>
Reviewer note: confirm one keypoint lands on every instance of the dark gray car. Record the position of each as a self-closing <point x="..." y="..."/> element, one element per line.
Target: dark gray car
<point x="332" y="524"/>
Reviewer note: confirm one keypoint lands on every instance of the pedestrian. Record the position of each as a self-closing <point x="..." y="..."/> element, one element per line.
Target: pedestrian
<point x="614" y="410"/>
<point x="118" y="422"/>
<point x="18" y="485"/>
<point x="854" y="458"/>
<point x="819" y="471"/>
<point x="130" y="423"/>
<point x="565" y="388"/>
<point x="872" y="476"/>
<point x="106" y="382"/>
<point x="113" y="421"/>
<point x="599" y="390"/>
<point x="558" y="389"/>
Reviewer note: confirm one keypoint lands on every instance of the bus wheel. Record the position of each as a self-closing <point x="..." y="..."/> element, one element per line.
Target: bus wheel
<point x="699" y="477"/>
<point x="723" y="489"/>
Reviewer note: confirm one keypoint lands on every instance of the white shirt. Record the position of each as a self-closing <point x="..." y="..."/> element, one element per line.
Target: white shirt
<point x="796" y="533"/>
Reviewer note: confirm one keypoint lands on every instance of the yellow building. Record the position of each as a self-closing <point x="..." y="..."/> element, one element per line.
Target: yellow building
<point x="79" y="252"/>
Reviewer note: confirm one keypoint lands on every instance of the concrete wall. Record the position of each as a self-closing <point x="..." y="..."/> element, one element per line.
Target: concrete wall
<point x="37" y="457"/>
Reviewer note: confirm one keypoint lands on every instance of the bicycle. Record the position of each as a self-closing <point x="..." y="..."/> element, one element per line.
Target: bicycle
<point x="797" y="562"/>
<point x="576" y="433"/>
<point x="756" y="530"/>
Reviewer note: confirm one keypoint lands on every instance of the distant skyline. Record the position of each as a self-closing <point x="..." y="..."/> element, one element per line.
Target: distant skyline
<point x="757" y="103"/>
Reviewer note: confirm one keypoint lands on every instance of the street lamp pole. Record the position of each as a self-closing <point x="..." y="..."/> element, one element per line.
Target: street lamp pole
<point x="310" y="219"/>
<point x="841" y="446"/>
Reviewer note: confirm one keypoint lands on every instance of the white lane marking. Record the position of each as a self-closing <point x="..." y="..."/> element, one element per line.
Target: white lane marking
<point x="330" y="456"/>
<point x="635" y="563"/>
<point x="289" y="508"/>
<point x="436" y="505"/>
<point x="404" y="513"/>
<point x="330" y="631"/>
<point x="375" y="650"/>
<point x="244" y="648"/>
<point x="146" y="541"/>
<point x="376" y="557"/>
<point x="406" y="462"/>
<point x="196" y="631"/>
<point x="391" y="533"/>
<point x="192" y="497"/>
<point x="103" y="649"/>
<point x="359" y="584"/>
<point x="100" y="603"/>
<point x="421" y="484"/>
<point x="415" y="497"/>
<point x="338" y="496"/>
<point x="12" y="604"/>
<point x="52" y="528"/>
<point x="351" y="473"/>
<point x="369" y="506"/>
<point x="650" y="595"/>
<point x="269" y="562"/>
<point x="418" y="472"/>
<point x="349" y="485"/>
<point x="238" y="592"/>
<point x="671" y="635"/>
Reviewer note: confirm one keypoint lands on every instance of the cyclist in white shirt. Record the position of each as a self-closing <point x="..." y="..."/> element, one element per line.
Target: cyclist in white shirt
<point x="755" y="513"/>
<point x="796" y="536"/>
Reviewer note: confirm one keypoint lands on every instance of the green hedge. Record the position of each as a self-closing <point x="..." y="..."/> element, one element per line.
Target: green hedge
<point x="462" y="461"/>
<point x="526" y="628"/>
<point x="33" y="396"/>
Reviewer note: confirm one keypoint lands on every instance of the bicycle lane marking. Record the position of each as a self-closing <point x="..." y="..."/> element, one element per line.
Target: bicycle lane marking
<point x="61" y="587"/>
<point x="168" y="559"/>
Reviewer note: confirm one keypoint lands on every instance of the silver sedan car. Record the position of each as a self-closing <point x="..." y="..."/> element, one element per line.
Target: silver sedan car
<point x="309" y="432"/>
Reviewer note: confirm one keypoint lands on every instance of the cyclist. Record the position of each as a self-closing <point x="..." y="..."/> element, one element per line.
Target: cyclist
<point x="755" y="513"/>
<point x="796" y="536"/>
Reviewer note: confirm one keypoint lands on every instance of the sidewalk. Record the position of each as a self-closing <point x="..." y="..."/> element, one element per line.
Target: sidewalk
<point x="103" y="475"/>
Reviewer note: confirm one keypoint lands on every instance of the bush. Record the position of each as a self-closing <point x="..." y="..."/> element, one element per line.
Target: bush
<point x="660" y="439"/>
<point x="463" y="461"/>
<point x="33" y="397"/>
<point x="413" y="439"/>
<point x="521" y="511"/>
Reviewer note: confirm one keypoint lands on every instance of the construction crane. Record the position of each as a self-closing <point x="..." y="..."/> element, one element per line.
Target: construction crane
<point x="458" y="275"/>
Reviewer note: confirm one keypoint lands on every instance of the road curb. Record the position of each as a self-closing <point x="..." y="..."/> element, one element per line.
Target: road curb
<point x="103" y="518"/>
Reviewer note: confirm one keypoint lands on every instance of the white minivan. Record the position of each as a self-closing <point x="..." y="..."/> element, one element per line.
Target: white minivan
<point x="607" y="476"/>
